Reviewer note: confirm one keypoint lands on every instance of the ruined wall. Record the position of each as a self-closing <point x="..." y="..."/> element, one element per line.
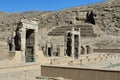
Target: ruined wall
<point x="107" y="50"/>
<point x="57" y="45"/>
<point x="20" y="71"/>
<point x="4" y="51"/>
<point x="79" y="73"/>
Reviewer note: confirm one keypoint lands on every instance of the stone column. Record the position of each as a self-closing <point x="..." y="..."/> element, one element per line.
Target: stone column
<point x="85" y="49"/>
<point x="65" y="42"/>
<point x="23" y="42"/>
<point x="91" y="50"/>
<point x="13" y="44"/>
<point x="72" y="50"/>
<point x="46" y="49"/>
<point x="52" y="47"/>
<point x="79" y="44"/>
<point x="36" y="45"/>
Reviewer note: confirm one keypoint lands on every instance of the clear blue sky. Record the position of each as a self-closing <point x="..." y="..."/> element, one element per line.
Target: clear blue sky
<point x="41" y="5"/>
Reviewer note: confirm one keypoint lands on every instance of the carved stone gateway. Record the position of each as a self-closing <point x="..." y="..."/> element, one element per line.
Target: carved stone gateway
<point x="28" y="39"/>
<point x="73" y="43"/>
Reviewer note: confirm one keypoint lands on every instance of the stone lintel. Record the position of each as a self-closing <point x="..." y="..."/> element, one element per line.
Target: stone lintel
<point x="26" y="21"/>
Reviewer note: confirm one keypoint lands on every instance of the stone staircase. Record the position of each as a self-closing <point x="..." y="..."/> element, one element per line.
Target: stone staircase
<point x="86" y="30"/>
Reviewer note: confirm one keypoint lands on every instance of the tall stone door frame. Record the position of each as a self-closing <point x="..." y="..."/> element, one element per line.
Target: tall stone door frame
<point x="73" y="33"/>
<point x="33" y="25"/>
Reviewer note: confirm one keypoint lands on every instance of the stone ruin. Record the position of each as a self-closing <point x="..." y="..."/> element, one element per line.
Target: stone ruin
<point x="66" y="40"/>
<point x="69" y="45"/>
<point x="25" y="41"/>
<point x="63" y="47"/>
<point x="62" y="41"/>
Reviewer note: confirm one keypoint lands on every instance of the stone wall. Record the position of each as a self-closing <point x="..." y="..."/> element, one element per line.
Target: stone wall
<point x="79" y="73"/>
<point x="20" y="71"/>
<point x="107" y="50"/>
<point x="4" y="51"/>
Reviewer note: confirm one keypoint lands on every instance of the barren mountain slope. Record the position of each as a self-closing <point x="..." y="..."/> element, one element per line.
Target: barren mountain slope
<point x="108" y="18"/>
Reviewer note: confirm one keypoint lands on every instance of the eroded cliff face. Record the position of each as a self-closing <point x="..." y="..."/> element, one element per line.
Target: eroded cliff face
<point x="108" y="16"/>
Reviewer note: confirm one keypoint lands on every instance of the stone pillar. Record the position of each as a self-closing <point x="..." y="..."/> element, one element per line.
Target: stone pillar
<point x="72" y="50"/>
<point x="52" y="47"/>
<point x="85" y="49"/>
<point x="36" y="44"/>
<point x="13" y="44"/>
<point x="79" y="45"/>
<point x="23" y="42"/>
<point x="91" y="49"/>
<point x="46" y="49"/>
<point x="61" y="50"/>
<point x="65" y="42"/>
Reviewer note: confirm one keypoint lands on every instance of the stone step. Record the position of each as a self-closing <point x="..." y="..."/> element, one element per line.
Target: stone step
<point x="86" y="30"/>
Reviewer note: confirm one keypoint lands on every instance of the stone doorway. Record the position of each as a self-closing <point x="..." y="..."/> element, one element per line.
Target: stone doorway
<point x="76" y="45"/>
<point x="69" y="42"/>
<point x="30" y="42"/>
<point x="72" y="42"/>
<point x="49" y="51"/>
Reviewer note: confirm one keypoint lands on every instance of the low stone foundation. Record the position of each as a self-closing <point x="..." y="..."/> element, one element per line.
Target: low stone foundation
<point x="25" y="71"/>
<point x="107" y="50"/>
<point x="79" y="73"/>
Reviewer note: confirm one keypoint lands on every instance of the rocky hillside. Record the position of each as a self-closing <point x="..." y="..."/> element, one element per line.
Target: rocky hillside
<point x="108" y="18"/>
